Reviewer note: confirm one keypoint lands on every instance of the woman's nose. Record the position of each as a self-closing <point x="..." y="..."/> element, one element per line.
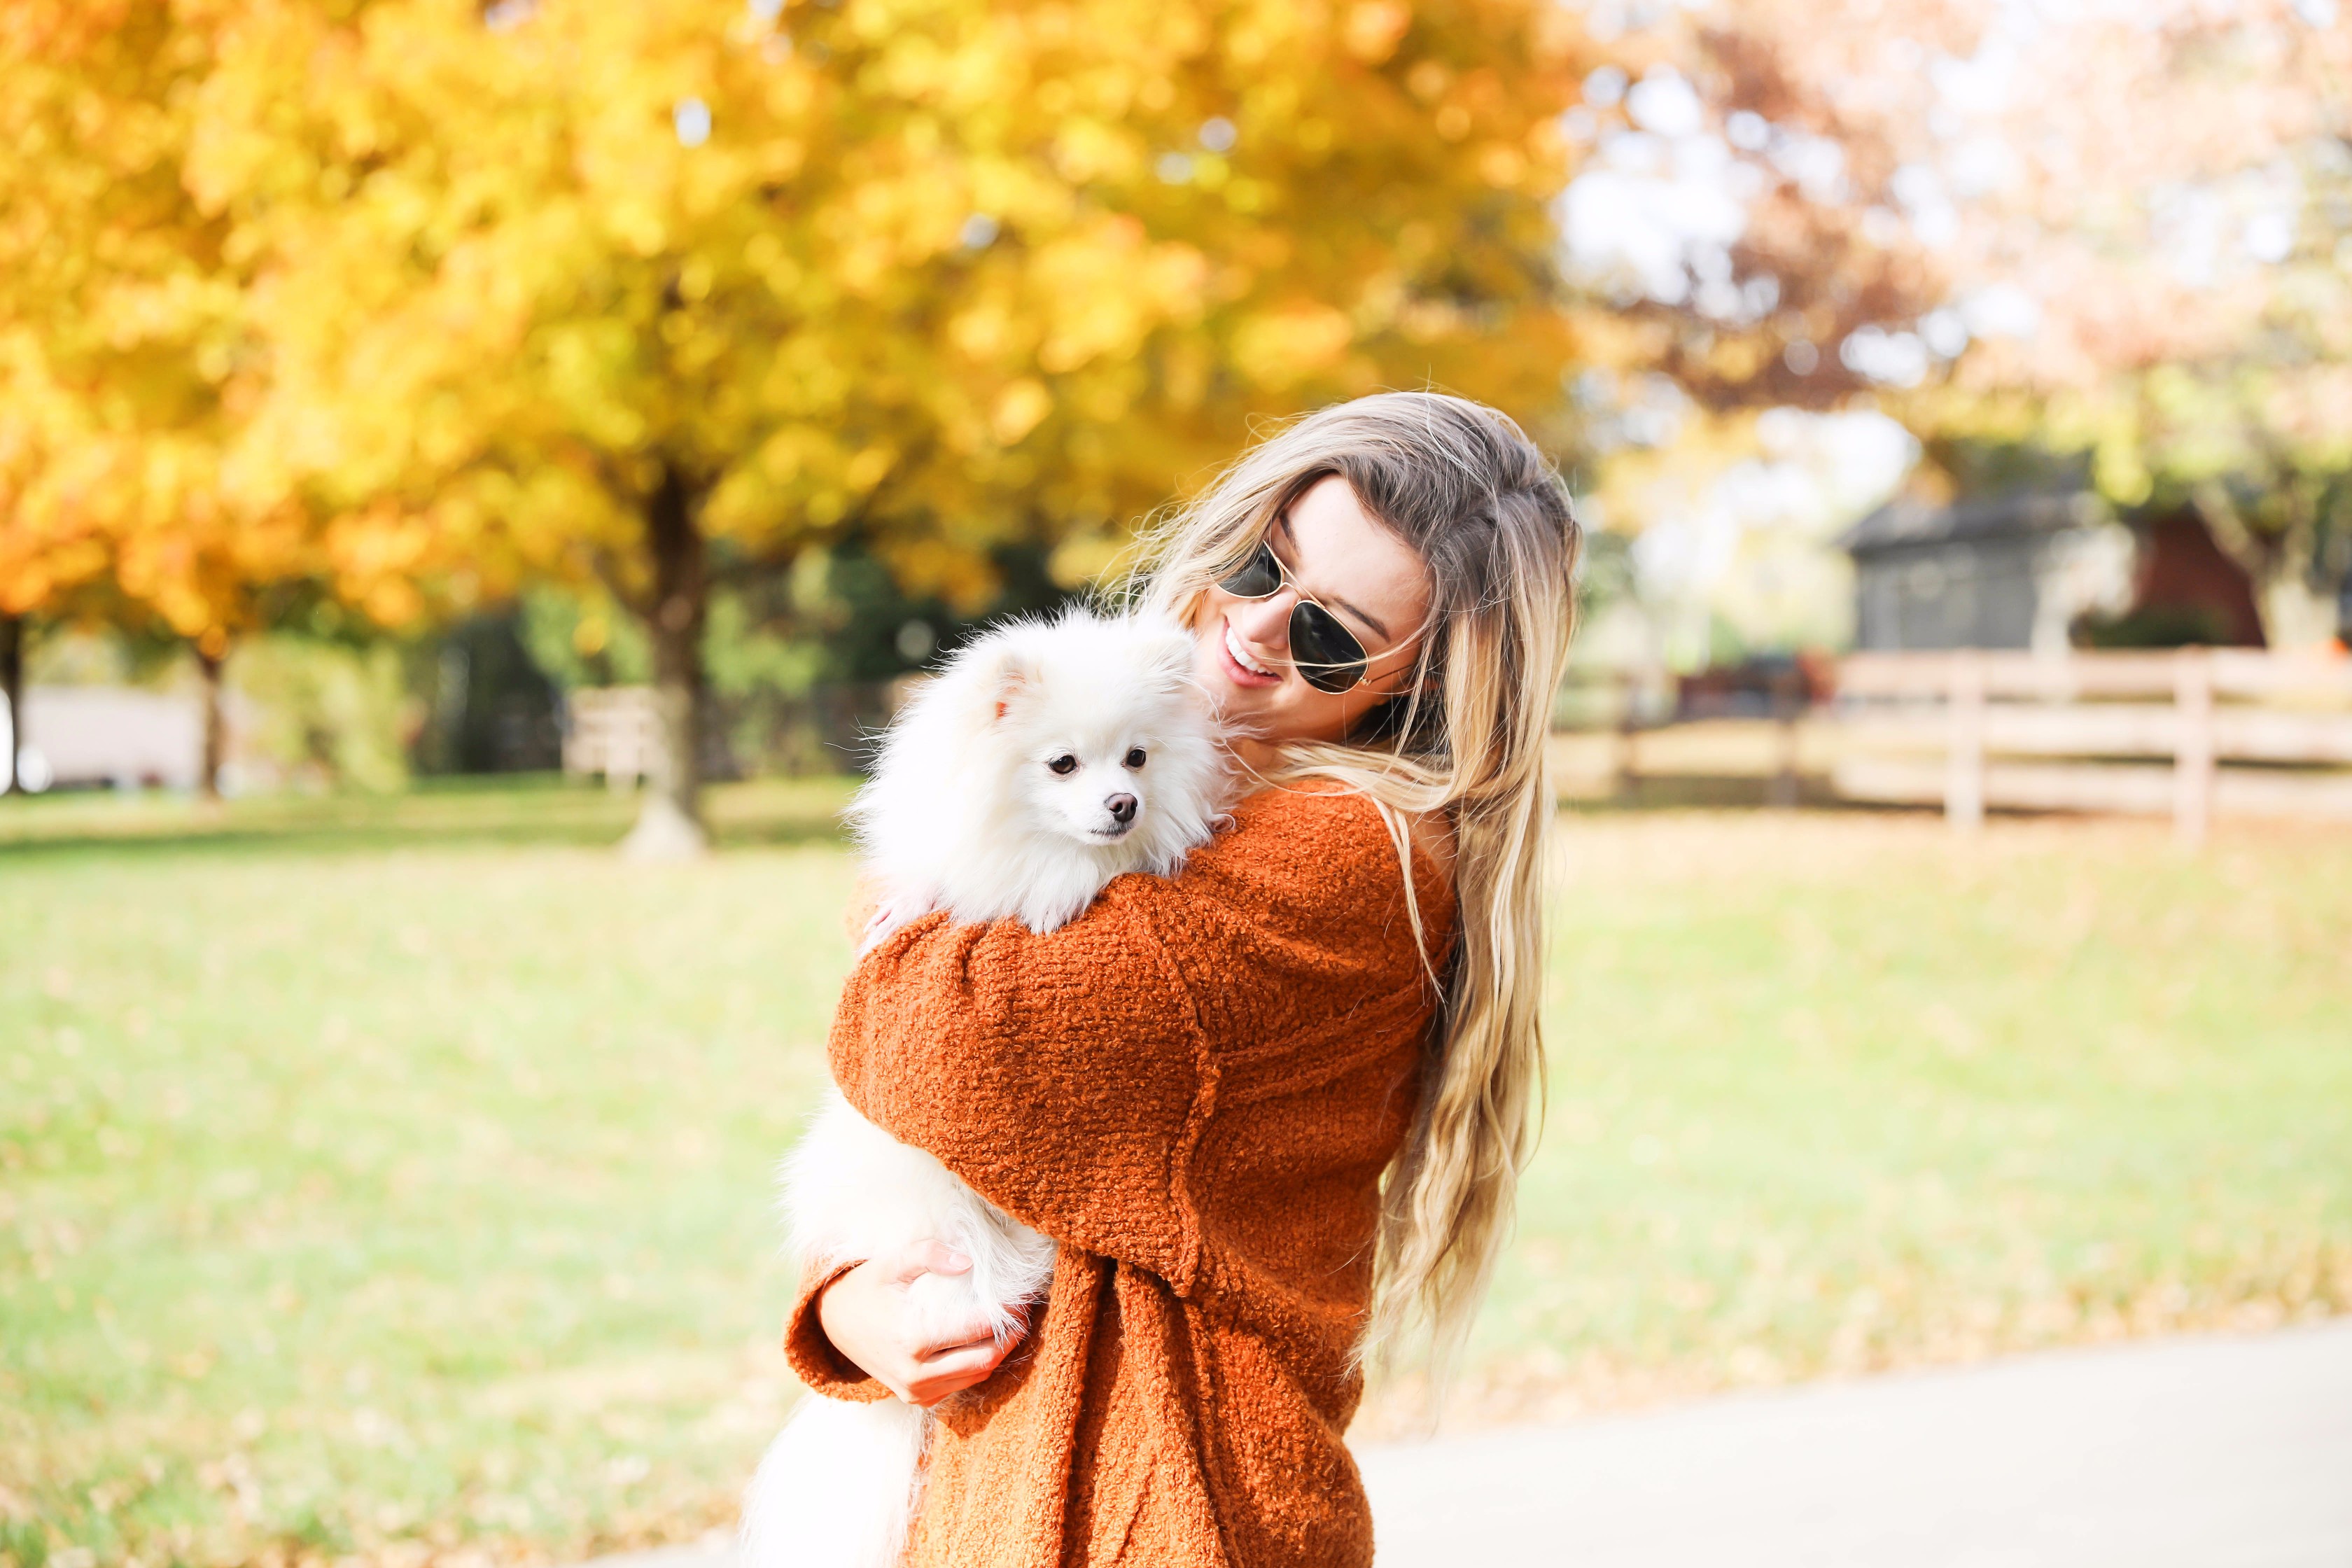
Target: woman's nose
<point x="1266" y="621"/>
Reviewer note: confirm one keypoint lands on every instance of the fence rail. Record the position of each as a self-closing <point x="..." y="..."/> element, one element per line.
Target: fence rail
<point x="2227" y="672"/>
<point x="2232" y="732"/>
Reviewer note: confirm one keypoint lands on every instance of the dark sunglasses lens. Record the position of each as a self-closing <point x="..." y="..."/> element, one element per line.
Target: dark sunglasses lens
<point x="1255" y="577"/>
<point x="1328" y="654"/>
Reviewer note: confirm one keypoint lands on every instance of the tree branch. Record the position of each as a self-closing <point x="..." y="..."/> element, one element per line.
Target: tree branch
<point x="2254" y="556"/>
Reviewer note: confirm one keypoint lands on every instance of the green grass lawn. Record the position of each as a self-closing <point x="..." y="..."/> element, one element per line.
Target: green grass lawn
<point x="1832" y="1094"/>
<point x="391" y="1179"/>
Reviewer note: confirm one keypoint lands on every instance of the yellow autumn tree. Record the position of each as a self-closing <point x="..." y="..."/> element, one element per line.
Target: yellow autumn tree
<point x="127" y="363"/>
<point x="659" y="294"/>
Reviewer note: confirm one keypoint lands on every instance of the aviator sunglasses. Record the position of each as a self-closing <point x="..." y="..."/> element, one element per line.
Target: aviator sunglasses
<point x="1325" y="653"/>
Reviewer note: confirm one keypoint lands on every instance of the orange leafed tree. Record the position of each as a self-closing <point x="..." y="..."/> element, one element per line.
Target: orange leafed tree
<point x="127" y="361"/>
<point x="2135" y="227"/>
<point x="664" y="293"/>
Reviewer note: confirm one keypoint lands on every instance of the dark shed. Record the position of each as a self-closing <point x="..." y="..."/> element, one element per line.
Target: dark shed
<point x="1976" y="573"/>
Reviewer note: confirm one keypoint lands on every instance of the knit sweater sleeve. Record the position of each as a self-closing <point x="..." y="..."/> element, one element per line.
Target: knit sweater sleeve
<point x="1059" y="1074"/>
<point x="1069" y="1077"/>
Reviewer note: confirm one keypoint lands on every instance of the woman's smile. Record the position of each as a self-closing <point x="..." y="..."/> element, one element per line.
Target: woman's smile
<point x="1241" y="668"/>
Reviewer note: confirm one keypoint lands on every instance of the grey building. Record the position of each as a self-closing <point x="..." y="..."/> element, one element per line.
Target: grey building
<point x="2008" y="571"/>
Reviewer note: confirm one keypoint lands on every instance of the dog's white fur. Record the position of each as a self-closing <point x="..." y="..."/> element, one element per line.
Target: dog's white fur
<point x="994" y="797"/>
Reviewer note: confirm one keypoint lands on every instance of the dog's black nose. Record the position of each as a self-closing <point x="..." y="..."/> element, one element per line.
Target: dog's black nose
<point x="1122" y="808"/>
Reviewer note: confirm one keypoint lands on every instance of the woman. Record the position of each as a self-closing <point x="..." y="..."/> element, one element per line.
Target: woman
<point x="1272" y="1107"/>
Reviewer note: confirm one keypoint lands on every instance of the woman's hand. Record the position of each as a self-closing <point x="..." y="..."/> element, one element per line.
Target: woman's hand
<point x="871" y="917"/>
<point x="864" y="904"/>
<point x="864" y="1314"/>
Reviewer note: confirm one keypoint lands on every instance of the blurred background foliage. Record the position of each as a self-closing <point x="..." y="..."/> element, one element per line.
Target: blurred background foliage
<point x="428" y="302"/>
<point x="706" y="320"/>
<point x="331" y="711"/>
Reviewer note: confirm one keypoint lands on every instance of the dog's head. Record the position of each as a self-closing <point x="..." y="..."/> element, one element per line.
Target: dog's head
<point x="1047" y="758"/>
<point x="1096" y="723"/>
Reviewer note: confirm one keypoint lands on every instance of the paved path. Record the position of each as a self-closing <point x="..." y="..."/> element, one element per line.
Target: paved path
<point x="2209" y="1453"/>
<point x="2220" y="1453"/>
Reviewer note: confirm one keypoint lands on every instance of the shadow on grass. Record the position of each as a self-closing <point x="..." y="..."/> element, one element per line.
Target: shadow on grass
<point x="538" y="810"/>
<point x="1716" y="792"/>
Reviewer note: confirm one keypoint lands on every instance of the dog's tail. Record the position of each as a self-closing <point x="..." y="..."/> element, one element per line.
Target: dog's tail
<point x="837" y="1489"/>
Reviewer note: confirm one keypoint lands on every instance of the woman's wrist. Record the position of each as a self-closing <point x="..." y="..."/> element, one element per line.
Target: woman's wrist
<point x="820" y="1305"/>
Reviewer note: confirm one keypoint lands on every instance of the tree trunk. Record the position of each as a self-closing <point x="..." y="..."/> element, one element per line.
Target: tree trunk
<point x="669" y="826"/>
<point x="2296" y="612"/>
<point x="12" y="688"/>
<point x="210" y="664"/>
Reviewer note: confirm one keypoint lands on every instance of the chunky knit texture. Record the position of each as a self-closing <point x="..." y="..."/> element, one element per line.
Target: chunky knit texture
<point x="1194" y="1089"/>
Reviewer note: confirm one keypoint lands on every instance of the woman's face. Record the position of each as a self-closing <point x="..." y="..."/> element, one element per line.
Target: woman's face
<point x="1335" y="553"/>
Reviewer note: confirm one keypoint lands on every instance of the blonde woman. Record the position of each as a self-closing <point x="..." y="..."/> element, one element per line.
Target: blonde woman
<point x="1272" y="1107"/>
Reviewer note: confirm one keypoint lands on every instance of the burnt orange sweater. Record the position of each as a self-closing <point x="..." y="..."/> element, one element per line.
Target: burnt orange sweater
<point x="1194" y="1089"/>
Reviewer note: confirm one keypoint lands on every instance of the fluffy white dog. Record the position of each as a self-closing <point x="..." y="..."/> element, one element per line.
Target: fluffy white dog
<point x="1046" y="759"/>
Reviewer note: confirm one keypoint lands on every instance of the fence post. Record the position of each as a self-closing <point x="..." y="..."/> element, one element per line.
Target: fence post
<point x="1629" y="761"/>
<point x="619" y="721"/>
<point x="1788" y="701"/>
<point x="2192" y="745"/>
<point x="1964" y="760"/>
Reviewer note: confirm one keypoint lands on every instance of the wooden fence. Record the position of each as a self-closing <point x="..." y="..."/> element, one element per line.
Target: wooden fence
<point x="2195" y="734"/>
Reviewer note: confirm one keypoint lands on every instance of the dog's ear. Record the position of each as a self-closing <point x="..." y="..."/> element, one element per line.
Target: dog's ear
<point x="1015" y="670"/>
<point x="1171" y="655"/>
<point x="1154" y="646"/>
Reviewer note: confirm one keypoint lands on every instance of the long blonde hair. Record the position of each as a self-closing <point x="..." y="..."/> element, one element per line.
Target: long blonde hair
<point x="1461" y="485"/>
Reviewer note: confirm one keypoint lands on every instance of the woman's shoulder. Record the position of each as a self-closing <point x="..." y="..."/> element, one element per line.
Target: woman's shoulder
<point x="1347" y="819"/>
<point x="1319" y="842"/>
<point x="1291" y="824"/>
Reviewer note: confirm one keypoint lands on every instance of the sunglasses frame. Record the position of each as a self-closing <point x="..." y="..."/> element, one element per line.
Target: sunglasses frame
<point x="1361" y="663"/>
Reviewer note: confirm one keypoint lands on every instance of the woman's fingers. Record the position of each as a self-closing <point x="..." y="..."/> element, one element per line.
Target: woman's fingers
<point x="928" y="1257"/>
<point x="927" y="1379"/>
<point x="953" y="1369"/>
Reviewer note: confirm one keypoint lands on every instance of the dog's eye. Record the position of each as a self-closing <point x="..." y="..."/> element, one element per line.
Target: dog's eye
<point x="1135" y="758"/>
<point x="1063" y="765"/>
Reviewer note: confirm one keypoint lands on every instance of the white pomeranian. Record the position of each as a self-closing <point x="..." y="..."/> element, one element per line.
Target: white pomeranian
<point x="1047" y="758"/>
